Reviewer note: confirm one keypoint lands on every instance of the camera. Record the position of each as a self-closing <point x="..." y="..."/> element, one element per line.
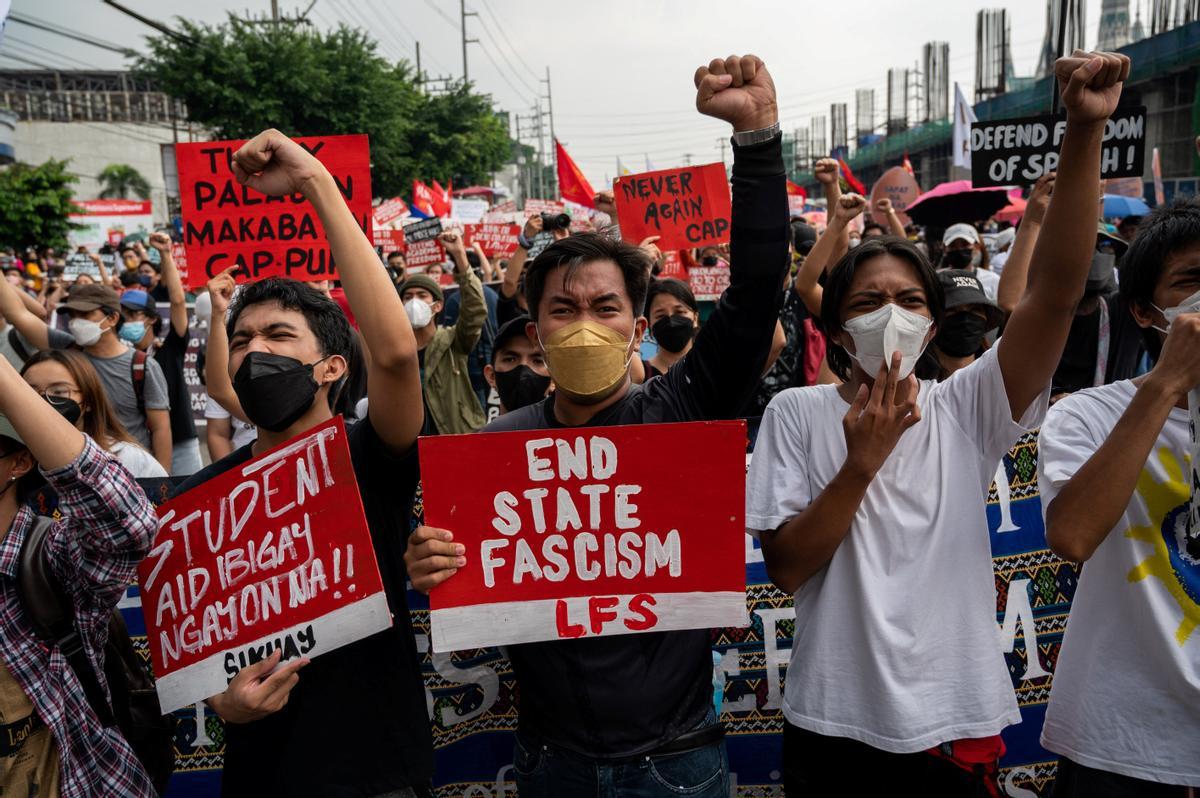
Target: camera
<point x="555" y="221"/>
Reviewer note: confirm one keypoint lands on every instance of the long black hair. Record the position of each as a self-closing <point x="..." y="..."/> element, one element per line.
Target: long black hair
<point x="837" y="285"/>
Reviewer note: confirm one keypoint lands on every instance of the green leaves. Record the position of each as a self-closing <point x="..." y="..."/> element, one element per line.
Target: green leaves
<point x="238" y="79"/>
<point x="122" y="181"/>
<point x="34" y="204"/>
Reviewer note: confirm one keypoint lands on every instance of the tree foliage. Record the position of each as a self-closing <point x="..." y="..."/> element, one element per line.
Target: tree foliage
<point x="239" y="78"/>
<point x="34" y="204"/>
<point x="120" y="180"/>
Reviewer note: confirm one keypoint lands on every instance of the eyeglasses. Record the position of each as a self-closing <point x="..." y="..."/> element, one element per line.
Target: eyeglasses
<point x="60" y="390"/>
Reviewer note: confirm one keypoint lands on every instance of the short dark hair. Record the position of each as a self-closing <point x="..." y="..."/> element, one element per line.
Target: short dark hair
<point x="838" y="284"/>
<point x="325" y="318"/>
<point x="580" y="250"/>
<point x="674" y="288"/>
<point x="1165" y="231"/>
<point x="874" y="226"/>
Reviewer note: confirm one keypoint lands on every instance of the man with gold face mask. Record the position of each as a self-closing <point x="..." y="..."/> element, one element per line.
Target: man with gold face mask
<point x="635" y="712"/>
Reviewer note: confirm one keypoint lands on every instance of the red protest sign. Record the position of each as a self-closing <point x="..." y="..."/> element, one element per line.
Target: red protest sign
<point x="424" y="253"/>
<point x="580" y="533"/>
<point x="673" y="266"/>
<point x="497" y="240"/>
<point x="389" y="210"/>
<point x="686" y="208"/>
<point x="708" y="282"/>
<point x="225" y="223"/>
<point x="533" y="206"/>
<point x="272" y="554"/>
<point x="391" y="240"/>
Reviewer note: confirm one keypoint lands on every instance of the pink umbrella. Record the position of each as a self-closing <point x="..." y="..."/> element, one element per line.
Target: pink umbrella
<point x="956" y="201"/>
<point x="1013" y="211"/>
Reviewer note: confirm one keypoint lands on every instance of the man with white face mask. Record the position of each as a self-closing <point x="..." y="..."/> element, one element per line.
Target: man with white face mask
<point x="870" y="498"/>
<point x="1124" y="711"/>
<point x="451" y="404"/>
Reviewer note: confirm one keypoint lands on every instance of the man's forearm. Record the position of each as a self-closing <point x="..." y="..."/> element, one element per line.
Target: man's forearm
<point x="1016" y="268"/>
<point x="160" y="440"/>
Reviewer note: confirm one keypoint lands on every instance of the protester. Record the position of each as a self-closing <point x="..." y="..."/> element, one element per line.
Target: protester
<point x="223" y="432"/>
<point x="518" y="369"/>
<point x="826" y="251"/>
<point x="894" y="226"/>
<point x="450" y="401"/>
<point x="140" y="313"/>
<point x="880" y="528"/>
<point x="66" y="379"/>
<point x="964" y="249"/>
<point x="1127" y="228"/>
<point x="354" y="721"/>
<point x="969" y="316"/>
<point x="397" y="265"/>
<point x="14" y="346"/>
<point x="674" y="318"/>
<point x="512" y="293"/>
<point x="54" y="744"/>
<point x="1115" y="485"/>
<point x="637" y="710"/>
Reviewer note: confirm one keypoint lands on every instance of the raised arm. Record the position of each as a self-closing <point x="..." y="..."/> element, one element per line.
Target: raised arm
<point x="1016" y="268"/>
<point x="828" y="250"/>
<point x="216" y="354"/>
<point x="276" y="165"/>
<point x="14" y="311"/>
<point x="895" y="226"/>
<point x="1033" y="341"/>
<point x="472" y="310"/>
<point x="174" y="283"/>
<point x="516" y="264"/>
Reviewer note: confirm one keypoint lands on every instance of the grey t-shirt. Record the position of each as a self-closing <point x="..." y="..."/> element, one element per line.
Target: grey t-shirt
<point x="117" y="375"/>
<point x="58" y="340"/>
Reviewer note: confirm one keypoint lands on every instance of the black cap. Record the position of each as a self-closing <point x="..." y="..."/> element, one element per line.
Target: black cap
<point x="963" y="288"/>
<point x="510" y="329"/>
<point x="804" y="236"/>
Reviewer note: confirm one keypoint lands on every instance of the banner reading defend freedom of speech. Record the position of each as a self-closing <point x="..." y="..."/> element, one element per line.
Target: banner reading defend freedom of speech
<point x="582" y="533"/>
<point x="273" y="554"/>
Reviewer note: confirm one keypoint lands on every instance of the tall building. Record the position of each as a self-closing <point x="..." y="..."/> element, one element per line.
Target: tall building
<point x="1075" y="40"/>
<point x="1114" y="25"/>
<point x="1139" y="30"/>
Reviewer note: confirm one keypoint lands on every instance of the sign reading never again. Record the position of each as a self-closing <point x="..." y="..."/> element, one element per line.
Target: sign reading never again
<point x="227" y="224"/>
<point x="583" y="534"/>
<point x="272" y="554"/>
<point x="685" y="208"/>
<point x="1011" y="152"/>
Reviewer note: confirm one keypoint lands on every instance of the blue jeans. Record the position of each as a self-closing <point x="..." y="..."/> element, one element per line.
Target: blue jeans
<point x="547" y="771"/>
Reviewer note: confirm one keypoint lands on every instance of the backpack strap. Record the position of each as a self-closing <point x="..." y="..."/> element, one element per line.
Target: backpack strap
<point x="137" y="368"/>
<point x="18" y="346"/>
<point x="52" y="615"/>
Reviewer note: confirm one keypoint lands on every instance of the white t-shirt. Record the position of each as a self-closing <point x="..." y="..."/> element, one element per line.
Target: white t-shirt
<point x="243" y="431"/>
<point x="1126" y="692"/>
<point x="137" y="460"/>
<point x="896" y="642"/>
<point x="990" y="281"/>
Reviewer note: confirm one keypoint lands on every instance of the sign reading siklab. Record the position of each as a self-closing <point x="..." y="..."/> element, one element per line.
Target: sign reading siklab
<point x="1010" y="152"/>
<point x="274" y="554"/>
<point x="582" y="533"/>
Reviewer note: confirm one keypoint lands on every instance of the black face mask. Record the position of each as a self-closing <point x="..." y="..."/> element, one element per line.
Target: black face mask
<point x="275" y="390"/>
<point x="67" y="407"/>
<point x="520" y="387"/>
<point x="957" y="258"/>
<point x="708" y="260"/>
<point x="673" y="332"/>
<point x="961" y="335"/>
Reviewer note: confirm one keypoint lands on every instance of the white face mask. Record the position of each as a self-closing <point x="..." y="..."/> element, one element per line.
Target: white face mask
<point x="419" y="313"/>
<point x="881" y="332"/>
<point x="85" y="331"/>
<point x="1189" y="305"/>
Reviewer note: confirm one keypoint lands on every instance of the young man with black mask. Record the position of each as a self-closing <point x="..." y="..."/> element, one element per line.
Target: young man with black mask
<point x="518" y="369"/>
<point x="354" y="722"/>
<point x="637" y="710"/>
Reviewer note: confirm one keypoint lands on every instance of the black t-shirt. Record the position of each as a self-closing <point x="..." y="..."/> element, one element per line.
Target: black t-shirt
<point x="170" y="357"/>
<point x="625" y="695"/>
<point x="356" y="724"/>
<point x="1077" y="366"/>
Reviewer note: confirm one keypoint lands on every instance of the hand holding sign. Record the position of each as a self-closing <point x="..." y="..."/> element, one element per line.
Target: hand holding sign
<point x="432" y="557"/>
<point x="826" y="171"/>
<point x="738" y="90"/>
<point x="849" y="207"/>
<point x="1091" y="84"/>
<point x="256" y="692"/>
<point x="275" y="165"/>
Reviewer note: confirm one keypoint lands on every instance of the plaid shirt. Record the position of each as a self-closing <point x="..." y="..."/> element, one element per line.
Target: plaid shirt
<point x="106" y="530"/>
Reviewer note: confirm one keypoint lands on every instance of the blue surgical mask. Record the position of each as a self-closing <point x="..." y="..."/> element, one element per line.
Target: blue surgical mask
<point x="132" y="332"/>
<point x="144" y="279"/>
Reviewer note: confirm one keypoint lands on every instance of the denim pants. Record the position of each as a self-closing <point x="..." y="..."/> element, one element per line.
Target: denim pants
<point x="547" y="771"/>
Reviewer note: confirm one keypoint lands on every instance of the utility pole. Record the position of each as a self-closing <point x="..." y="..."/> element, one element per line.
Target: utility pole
<point x="420" y="77"/>
<point x="463" y="14"/>
<point x="541" y="151"/>
<point x="721" y="141"/>
<point x="687" y="159"/>
<point x="275" y="12"/>
<point x="553" y="138"/>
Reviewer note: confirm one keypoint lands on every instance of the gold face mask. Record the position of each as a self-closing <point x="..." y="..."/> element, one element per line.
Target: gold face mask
<point x="587" y="360"/>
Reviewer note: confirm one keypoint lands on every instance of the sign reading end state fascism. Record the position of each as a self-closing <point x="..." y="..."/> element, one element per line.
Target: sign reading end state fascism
<point x="583" y="533"/>
<point x="227" y="224"/>
<point x="272" y="554"/>
<point x="686" y="208"/>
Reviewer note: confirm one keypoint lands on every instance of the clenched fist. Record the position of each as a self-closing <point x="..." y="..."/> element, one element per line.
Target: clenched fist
<point x="848" y="208"/>
<point x="275" y="165"/>
<point x="1091" y="84"/>
<point x="739" y="90"/>
<point x="826" y="171"/>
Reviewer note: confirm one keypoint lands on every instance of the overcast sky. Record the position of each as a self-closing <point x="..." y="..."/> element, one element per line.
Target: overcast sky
<point x="621" y="70"/>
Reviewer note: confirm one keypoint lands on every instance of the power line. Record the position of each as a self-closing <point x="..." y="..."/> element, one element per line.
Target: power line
<point x="530" y="90"/>
<point x="500" y="72"/>
<point x="61" y="31"/>
<point x="507" y="41"/>
<point x="442" y="14"/>
<point x="31" y="46"/>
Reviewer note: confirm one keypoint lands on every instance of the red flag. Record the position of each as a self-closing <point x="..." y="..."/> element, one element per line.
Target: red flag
<point x="441" y="200"/>
<point x="851" y="180"/>
<point x="422" y="198"/>
<point x="572" y="185"/>
<point x="907" y="164"/>
<point x="794" y="190"/>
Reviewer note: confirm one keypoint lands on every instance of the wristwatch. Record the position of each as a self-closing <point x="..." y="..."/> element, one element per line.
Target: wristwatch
<point x="745" y="138"/>
<point x="523" y="242"/>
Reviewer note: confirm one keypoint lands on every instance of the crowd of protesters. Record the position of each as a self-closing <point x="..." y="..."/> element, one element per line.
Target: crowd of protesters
<point x="885" y="371"/>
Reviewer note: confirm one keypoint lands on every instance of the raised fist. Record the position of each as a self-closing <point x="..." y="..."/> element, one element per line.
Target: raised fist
<point x="1091" y="83"/>
<point x="533" y="226"/>
<point x="275" y="165"/>
<point x="848" y="207"/>
<point x="160" y="241"/>
<point x="606" y="203"/>
<point x="1039" y="198"/>
<point x="739" y="90"/>
<point x="826" y="171"/>
<point x="452" y="242"/>
<point x="884" y="205"/>
<point x="221" y="289"/>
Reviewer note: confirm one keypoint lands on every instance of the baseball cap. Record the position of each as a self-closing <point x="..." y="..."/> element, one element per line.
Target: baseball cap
<point x="1103" y="236"/>
<point x="963" y="288"/>
<point x="138" y="300"/>
<point x="804" y="236"/>
<point x="513" y="328"/>
<point x="93" y="296"/>
<point x="422" y="281"/>
<point x="964" y="231"/>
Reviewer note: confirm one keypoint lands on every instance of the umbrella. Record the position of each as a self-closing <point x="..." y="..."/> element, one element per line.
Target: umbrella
<point x="956" y="201"/>
<point x="1118" y="207"/>
<point x="1013" y="211"/>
